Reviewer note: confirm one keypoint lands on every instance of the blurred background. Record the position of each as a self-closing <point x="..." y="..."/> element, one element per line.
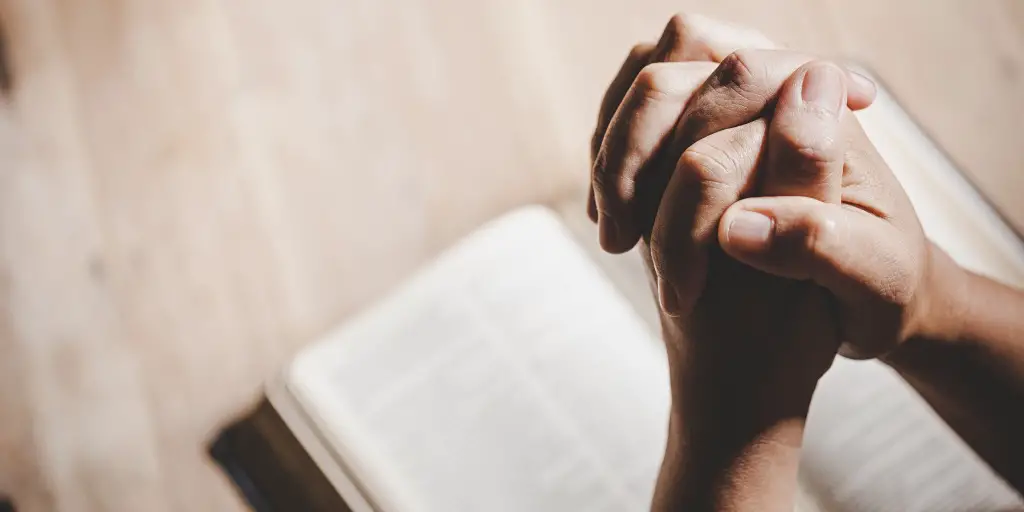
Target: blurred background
<point x="190" y="190"/>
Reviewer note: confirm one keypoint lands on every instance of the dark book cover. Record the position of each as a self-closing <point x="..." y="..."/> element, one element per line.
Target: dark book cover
<point x="270" y="468"/>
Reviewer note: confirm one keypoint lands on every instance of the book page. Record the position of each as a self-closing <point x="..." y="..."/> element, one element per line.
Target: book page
<point x="509" y="375"/>
<point x="953" y="213"/>
<point x="873" y="444"/>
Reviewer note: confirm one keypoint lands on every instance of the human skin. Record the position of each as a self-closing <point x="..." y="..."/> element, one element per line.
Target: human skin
<point x="776" y="234"/>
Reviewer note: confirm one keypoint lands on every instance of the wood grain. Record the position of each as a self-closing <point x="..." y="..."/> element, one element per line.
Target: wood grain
<point x="191" y="190"/>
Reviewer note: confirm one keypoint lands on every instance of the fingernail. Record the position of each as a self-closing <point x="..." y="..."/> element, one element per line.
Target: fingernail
<point x="668" y="298"/>
<point x="749" y="231"/>
<point x="863" y="82"/>
<point x="823" y="88"/>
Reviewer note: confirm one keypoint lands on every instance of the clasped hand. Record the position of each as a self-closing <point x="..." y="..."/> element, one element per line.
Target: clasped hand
<point x="757" y="195"/>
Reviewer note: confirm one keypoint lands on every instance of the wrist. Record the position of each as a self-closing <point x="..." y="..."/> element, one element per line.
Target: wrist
<point x="942" y="312"/>
<point x="721" y="461"/>
<point x="944" y="297"/>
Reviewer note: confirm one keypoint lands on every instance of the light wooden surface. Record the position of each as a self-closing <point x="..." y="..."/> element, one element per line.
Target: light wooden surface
<point x="192" y="189"/>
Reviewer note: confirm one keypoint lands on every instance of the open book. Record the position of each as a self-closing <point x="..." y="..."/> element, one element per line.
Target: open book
<point x="521" y="371"/>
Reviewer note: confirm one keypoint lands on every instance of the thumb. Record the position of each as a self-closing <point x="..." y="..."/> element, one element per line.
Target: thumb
<point x="846" y="250"/>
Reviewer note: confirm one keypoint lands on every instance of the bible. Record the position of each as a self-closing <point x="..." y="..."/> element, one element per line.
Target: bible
<point x="522" y="370"/>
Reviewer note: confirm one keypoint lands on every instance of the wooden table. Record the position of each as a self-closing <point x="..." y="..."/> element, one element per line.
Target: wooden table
<point x="192" y="189"/>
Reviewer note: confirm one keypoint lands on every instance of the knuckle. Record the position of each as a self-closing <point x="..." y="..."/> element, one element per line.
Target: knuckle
<point x="676" y="28"/>
<point x="709" y="166"/>
<point x="657" y="81"/>
<point x="599" y="176"/>
<point x="663" y="253"/>
<point x="817" y="151"/>
<point x="736" y="70"/>
<point x="806" y="156"/>
<point x="678" y="22"/>
<point x="595" y="144"/>
<point x="819" y="235"/>
<point x="810" y="146"/>
<point x="683" y="39"/>
<point x="639" y="52"/>
<point x="610" y="189"/>
<point x="741" y="80"/>
<point x="688" y="28"/>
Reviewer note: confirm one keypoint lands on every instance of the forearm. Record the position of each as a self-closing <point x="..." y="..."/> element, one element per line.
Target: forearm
<point x="969" y="365"/>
